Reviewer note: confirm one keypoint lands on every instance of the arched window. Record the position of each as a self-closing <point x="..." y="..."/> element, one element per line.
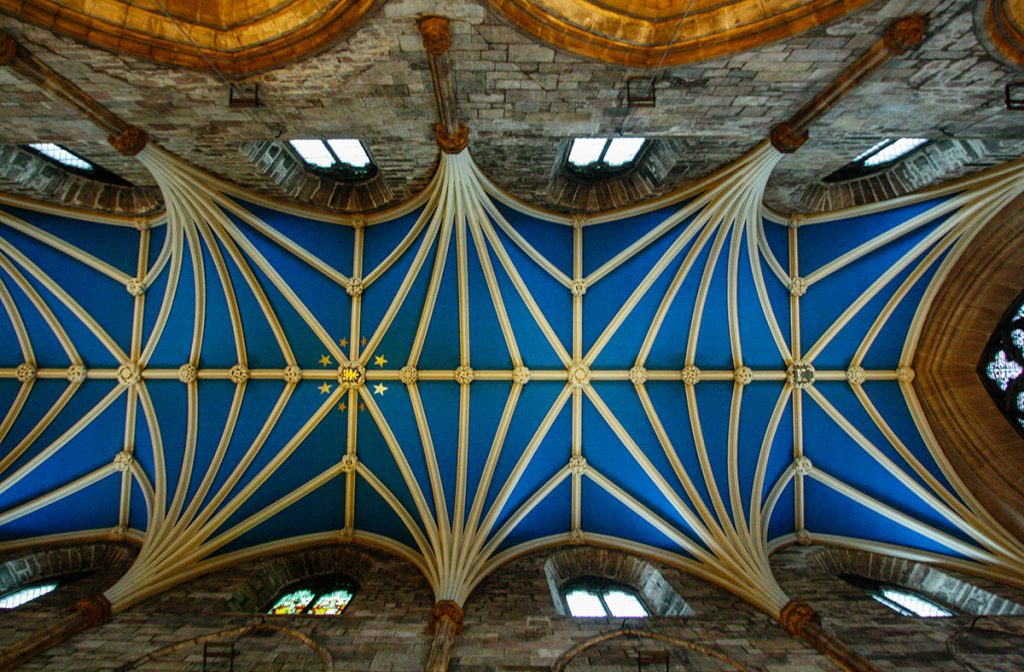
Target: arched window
<point x="321" y="596"/>
<point x="875" y="158"/>
<point x="601" y="157"/>
<point x="900" y="600"/>
<point x="71" y="162"/>
<point x="341" y="158"/>
<point x="1002" y="365"/>
<point x="16" y="598"/>
<point x="591" y="596"/>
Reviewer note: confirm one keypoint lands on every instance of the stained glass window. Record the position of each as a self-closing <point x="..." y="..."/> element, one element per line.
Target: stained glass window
<point x="900" y="600"/>
<point x="595" y="157"/>
<point x="590" y="597"/>
<point x="19" y="597"/>
<point x="1002" y="365"/>
<point x="322" y="596"/>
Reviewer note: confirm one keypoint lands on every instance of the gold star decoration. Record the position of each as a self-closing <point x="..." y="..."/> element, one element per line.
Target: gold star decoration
<point x="363" y="341"/>
<point x="325" y="360"/>
<point x="380" y="389"/>
<point x="325" y="389"/>
<point x="343" y="342"/>
<point x="380" y="361"/>
<point x="362" y="407"/>
<point x="342" y="406"/>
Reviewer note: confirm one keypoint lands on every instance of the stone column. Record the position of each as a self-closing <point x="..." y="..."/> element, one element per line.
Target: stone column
<point x="801" y="620"/>
<point x="901" y="36"/>
<point x="452" y="135"/>
<point x="124" y="137"/>
<point x="89" y="612"/>
<point x="445" y="623"/>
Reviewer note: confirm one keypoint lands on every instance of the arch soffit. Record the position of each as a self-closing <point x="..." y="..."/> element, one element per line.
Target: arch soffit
<point x="986" y="452"/>
<point x="919" y="577"/>
<point x="237" y="39"/>
<point x="636" y="34"/>
<point x="20" y="569"/>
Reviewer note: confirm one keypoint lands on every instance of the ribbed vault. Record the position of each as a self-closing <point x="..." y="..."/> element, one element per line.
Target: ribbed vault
<point x="464" y="380"/>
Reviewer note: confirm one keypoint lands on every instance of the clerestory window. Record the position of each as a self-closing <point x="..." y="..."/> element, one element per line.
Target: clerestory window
<point x="1002" y="365"/>
<point x="72" y="162"/>
<point x="322" y="596"/>
<point x="591" y="597"/>
<point x="341" y="158"/>
<point x="600" y="157"/>
<point x="15" y="599"/>
<point x="902" y="601"/>
<point x="877" y="157"/>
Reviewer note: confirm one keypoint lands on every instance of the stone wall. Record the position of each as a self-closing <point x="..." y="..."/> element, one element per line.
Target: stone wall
<point x="522" y="99"/>
<point x="511" y="622"/>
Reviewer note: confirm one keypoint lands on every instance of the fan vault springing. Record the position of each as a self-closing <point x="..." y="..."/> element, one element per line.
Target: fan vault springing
<point x="464" y="379"/>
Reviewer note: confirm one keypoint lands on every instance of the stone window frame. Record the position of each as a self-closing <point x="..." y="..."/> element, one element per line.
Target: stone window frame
<point x="929" y="164"/>
<point x="856" y="169"/>
<point x="277" y="575"/>
<point x="567" y="190"/>
<point x="876" y="590"/>
<point x="319" y="585"/>
<point x="95" y="172"/>
<point x="1002" y="340"/>
<point x="600" y="587"/>
<point x="64" y="564"/>
<point x="277" y="161"/>
<point x="341" y="171"/>
<point x="633" y="572"/>
<point x="36" y="176"/>
<point x="950" y="591"/>
<point x="986" y="453"/>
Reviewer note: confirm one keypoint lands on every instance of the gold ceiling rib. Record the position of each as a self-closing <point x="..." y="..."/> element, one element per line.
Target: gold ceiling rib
<point x="644" y="34"/>
<point x="727" y="545"/>
<point x="235" y="38"/>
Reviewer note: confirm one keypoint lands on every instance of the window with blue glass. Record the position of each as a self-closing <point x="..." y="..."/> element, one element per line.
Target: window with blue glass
<point x="1002" y="365"/>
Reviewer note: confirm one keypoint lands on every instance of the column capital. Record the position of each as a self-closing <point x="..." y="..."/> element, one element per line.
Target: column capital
<point x="446" y="610"/>
<point x="905" y="34"/>
<point x="436" y="32"/>
<point x="8" y="48"/>
<point x="130" y="141"/>
<point x="795" y="616"/>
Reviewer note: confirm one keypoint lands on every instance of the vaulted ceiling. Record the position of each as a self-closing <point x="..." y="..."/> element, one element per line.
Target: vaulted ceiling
<point x="465" y="377"/>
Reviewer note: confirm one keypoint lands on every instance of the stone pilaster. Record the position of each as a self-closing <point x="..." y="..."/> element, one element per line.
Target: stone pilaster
<point x="89" y="612"/>
<point x="902" y="35"/>
<point x="445" y="624"/>
<point x="802" y="621"/>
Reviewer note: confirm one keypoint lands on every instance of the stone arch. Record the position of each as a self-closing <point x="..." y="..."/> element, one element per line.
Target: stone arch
<point x="645" y="179"/>
<point x="275" y="161"/>
<point x="259" y="628"/>
<point x="623" y="568"/>
<point x="980" y="444"/>
<point x="936" y="162"/>
<point x="287" y="569"/>
<point x="31" y="175"/>
<point x="28" y="568"/>
<point x="919" y="577"/>
<point x="566" y="658"/>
